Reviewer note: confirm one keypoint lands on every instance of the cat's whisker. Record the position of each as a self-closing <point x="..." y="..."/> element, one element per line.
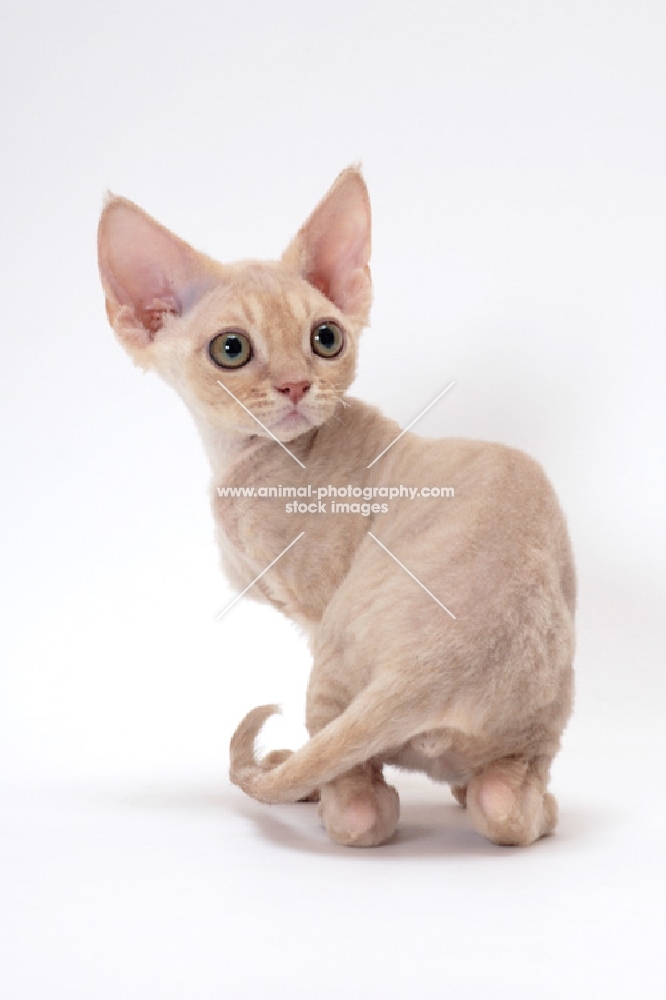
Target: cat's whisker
<point x="263" y="426"/>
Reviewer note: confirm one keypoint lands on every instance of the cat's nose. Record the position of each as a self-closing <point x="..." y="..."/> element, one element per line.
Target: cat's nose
<point x="295" y="390"/>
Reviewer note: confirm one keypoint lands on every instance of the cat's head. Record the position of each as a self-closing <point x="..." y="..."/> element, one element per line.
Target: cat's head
<point x="281" y="336"/>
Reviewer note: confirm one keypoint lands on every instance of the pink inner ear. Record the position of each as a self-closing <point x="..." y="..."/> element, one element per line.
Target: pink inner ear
<point x="334" y="260"/>
<point x="146" y="271"/>
<point x="150" y="296"/>
<point x="152" y="317"/>
<point x="335" y="244"/>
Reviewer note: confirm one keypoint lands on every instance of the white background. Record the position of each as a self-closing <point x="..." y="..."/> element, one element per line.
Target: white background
<point x="516" y="158"/>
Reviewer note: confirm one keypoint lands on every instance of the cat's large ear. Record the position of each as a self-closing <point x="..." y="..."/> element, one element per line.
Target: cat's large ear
<point x="332" y="250"/>
<point x="146" y="272"/>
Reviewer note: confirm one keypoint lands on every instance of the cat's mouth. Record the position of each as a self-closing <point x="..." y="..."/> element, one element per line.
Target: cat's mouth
<point x="291" y="424"/>
<point x="299" y="419"/>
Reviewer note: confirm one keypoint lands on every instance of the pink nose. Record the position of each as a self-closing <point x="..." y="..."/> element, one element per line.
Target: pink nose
<point x="295" y="390"/>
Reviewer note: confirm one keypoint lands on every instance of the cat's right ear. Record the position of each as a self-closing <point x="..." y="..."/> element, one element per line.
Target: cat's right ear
<point x="332" y="250"/>
<point x="146" y="272"/>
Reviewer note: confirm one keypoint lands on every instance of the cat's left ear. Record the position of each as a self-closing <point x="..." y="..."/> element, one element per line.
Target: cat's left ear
<point x="332" y="250"/>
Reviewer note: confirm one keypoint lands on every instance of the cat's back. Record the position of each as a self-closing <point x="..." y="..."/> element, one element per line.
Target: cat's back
<point x="480" y="499"/>
<point x="493" y="488"/>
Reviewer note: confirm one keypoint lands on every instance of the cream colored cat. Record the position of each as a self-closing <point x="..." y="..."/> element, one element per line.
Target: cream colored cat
<point x="479" y="700"/>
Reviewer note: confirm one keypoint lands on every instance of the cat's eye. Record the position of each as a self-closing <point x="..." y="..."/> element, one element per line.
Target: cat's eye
<point x="327" y="339"/>
<point x="231" y="349"/>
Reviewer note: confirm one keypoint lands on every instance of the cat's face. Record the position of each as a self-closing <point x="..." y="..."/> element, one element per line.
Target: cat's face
<point x="280" y="346"/>
<point x="278" y="339"/>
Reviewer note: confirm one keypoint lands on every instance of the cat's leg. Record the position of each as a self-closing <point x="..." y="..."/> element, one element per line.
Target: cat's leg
<point x="508" y="802"/>
<point x="359" y="809"/>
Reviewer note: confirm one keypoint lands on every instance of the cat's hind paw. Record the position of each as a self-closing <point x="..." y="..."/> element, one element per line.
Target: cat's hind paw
<point x="359" y="809"/>
<point x="508" y="804"/>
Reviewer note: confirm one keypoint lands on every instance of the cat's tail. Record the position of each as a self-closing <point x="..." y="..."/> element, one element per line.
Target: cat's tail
<point x="372" y="724"/>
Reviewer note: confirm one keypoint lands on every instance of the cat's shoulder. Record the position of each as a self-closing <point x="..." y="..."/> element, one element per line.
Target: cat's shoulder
<point x="491" y="463"/>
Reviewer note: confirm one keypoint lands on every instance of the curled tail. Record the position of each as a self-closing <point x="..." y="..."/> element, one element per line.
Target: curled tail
<point x="372" y="724"/>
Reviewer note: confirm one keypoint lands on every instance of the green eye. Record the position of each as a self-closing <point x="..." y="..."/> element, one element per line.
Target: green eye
<point x="327" y="339"/>
<point x="230" y="350"/>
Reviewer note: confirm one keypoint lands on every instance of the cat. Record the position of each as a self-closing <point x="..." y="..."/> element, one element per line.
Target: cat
<point x="442" y="630"/>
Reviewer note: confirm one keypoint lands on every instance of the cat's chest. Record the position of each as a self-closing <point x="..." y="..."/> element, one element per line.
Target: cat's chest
<point x="246" y="538"/>
<point x="277" y="536"/>
<point x="263" y="549"/>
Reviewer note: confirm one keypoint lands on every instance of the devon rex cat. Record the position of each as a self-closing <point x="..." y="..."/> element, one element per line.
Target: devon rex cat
<point x="262" y="353"/>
